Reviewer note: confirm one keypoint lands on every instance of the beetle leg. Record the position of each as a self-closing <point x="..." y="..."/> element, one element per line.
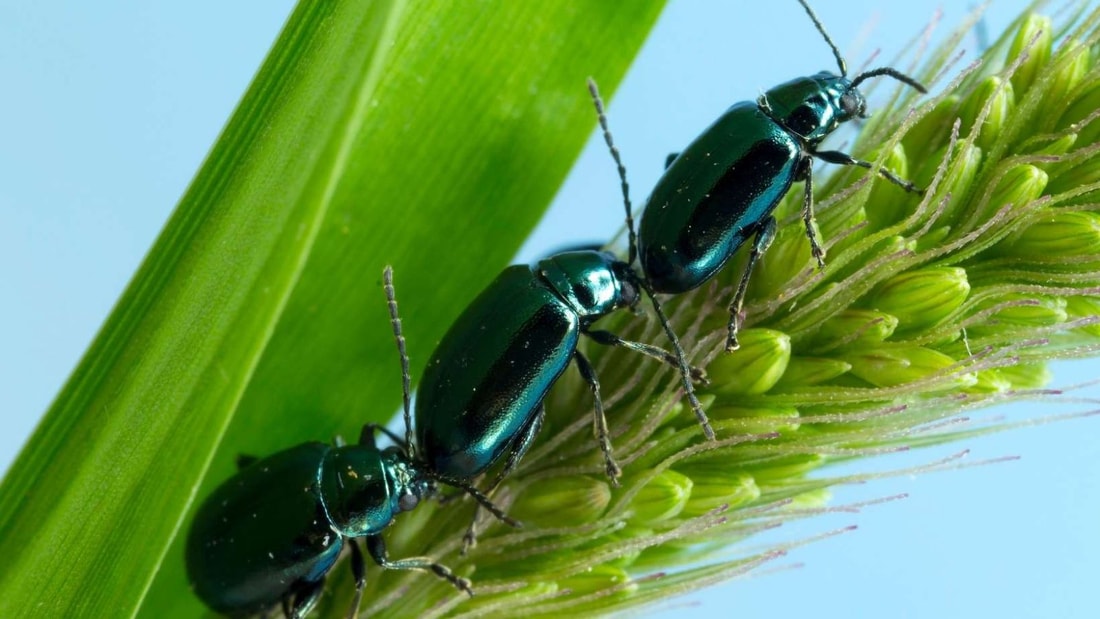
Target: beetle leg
<point x="808" y="212"/>
<point x="523" y="442"/>
<point x="359" y="571"/>
<point x="366" y="437"/>
<point x="671" y="157"/>
<point x="376" y="546"/>
<point x="608" y="338"/>
<point x="837" y="157"/>
<point x="763" y="239"/>
<point x="469" y="539"/>
<point x="304" y="599"/>
<point x="599" y="421"/>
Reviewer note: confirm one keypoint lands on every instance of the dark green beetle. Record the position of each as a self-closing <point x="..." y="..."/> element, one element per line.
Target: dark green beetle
<point x="723" y="188"/>
<point x="481" y="397"/>
<point x="269" y="534"/>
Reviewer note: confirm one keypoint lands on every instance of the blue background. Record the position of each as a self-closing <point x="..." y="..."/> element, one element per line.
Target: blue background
<point x="108" y="108"/>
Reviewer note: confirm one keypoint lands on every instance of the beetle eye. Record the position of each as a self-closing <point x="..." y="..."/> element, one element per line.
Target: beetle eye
<point x="629" y="293"/>
<point x="849" y="103"/>
<point x="408" y="502"/>
<point x="628" y="284"/>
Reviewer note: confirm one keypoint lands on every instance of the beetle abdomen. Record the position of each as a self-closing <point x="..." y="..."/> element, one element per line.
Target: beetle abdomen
<point x="491" y="371"/>
<point x="714" y="196"/>
<point x="262" y="534"/>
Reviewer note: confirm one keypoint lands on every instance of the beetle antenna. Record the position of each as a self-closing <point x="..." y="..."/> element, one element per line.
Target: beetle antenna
<point x="483" y="501"/>
<point x="399" y="338"/>
<point x="681" y="358"/>
<point x="820" y="28"/>
<point x="632" y="253"/>
<point x="891" y="72"/>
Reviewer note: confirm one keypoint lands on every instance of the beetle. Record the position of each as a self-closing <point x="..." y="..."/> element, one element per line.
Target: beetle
<point x="270" y="533"/>
<point x="481" y="395"/>
<point x="724" y="187"/>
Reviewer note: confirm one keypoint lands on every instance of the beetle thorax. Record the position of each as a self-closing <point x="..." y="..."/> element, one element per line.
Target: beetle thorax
<point x="588" y="282"/>
<point x="813" y="107"/>
<point x="363" y="489"/>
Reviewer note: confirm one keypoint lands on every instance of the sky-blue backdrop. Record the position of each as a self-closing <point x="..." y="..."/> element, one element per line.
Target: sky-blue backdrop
<point x="109" y="107"/>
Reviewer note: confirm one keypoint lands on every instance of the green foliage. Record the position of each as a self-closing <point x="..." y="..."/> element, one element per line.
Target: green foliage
<point x="423" y="134"/>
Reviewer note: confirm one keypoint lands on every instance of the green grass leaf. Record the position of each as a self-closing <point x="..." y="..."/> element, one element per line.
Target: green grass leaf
<point x="422" y="134"/>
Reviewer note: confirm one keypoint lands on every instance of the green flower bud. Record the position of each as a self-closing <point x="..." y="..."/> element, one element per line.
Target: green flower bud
<point x="677" y="413"/>
<point x="812" y="499"/>
<point x="1078" y="308"/>
<point x="1071" y="67"/>
<point x="625" y="559"/>
<point x="1069" y="176"/>
<point x="715" y="485"/>
<point x="922" y="297"/>
<point x="960" y="175"/>
<point x="990" y="381"/>
<point x="898" y="365"/>
<point x="788" y="256"/>
<point x="755" y="367"/>
<point x="743" y="419"/>
<point x="1041" y="311"/>
<point x="660" y="557"/>
<point x="1019" y="186"/>
<point x="1038" y="52"/>
<point x="933" y="239"/>
<point x="530" y="590"/>
<point x="1078" y="110"/>
<point x="598" y="578"/>
<point x="810" y="371"/>
<point x="886" y="205"/>
<point x="1026" y="375"/>
<point x="889" y="246"/>
<point x="662" y="498"/>
<point x="563" y="501"/>
<point x="1062" y="234"/>
<point x="1050" y="148"/>
<point x="781" y="470"/>
<point x="929" y="135"/>
<point x="996" y="95"/>
<point x="854" y="328"/>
